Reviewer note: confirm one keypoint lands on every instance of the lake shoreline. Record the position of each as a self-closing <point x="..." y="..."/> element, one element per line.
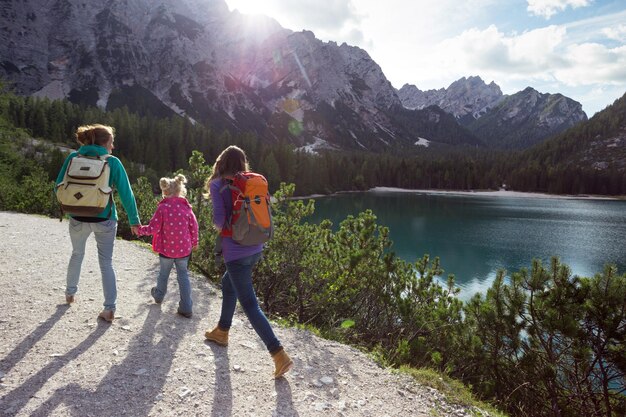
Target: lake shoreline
<point x="498" y="193"/>
<point x="478" y="193"/>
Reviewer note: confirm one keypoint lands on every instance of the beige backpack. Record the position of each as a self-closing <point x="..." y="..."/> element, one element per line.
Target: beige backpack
<point x="85" y="189"/>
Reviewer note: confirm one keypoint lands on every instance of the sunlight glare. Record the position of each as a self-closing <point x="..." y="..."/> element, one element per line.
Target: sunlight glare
<point x="269" y="8"/>
<point x="250" y="7"/>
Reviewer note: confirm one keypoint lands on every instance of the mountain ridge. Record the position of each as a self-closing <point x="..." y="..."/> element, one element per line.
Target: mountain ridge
<point x="465" y="98"/>
<point x="519" y="120"/>
<point x="199" y="60"/>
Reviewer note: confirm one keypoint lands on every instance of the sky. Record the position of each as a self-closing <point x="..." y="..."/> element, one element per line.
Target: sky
<point x="573" y="47"/>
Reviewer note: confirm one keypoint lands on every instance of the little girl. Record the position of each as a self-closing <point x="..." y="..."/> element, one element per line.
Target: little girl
<point x="174" y="231"/>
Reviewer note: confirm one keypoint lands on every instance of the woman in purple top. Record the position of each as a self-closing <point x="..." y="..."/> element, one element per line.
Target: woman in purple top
<point x="239" y="260"/>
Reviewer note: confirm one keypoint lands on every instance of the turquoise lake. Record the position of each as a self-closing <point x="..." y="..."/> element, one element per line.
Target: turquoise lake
<point x="474" y="236"/>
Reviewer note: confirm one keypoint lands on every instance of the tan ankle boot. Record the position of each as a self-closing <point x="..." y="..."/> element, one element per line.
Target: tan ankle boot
<point x="107" y="315"/>
<point x="283" y="363"/>
<point x="218" y="336"/>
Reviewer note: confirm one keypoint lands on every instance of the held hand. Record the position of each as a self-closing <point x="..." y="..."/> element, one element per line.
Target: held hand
<point x="135" y="230"/>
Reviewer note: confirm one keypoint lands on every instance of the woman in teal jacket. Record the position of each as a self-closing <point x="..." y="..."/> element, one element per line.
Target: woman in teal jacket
<point x="97" y="140"/>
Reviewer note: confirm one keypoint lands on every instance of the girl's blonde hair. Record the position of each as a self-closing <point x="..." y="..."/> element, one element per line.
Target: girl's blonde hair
<point x="96" y="134"/>
<point x="173" y="186"/>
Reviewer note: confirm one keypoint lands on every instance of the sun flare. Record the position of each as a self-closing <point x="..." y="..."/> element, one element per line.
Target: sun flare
<point x="250" y="7"/>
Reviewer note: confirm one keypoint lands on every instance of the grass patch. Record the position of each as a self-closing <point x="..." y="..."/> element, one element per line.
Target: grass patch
<point x="454" y="391"/>
<point x="292" y="323"/>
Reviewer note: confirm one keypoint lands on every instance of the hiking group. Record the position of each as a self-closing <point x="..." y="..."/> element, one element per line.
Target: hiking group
<point x="240" y="199"/>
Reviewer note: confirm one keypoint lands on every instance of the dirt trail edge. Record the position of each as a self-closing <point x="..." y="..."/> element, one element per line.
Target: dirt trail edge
<point x="59" y="360"/>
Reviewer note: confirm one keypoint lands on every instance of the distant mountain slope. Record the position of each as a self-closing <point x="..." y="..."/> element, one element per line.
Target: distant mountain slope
<point x="526" y="118"/>
<point x="436" y="125"/>
<point x="598" y="144"/>
<point x="517" y="121"/>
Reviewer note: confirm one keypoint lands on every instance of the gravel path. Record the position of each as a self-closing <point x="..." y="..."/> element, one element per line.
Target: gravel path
<point x="59" y="360"/>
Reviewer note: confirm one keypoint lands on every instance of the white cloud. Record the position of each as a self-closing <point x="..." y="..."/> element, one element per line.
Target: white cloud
<point x="354" y="36"/>
<point x="490" y="51"/>
<point x="617" y="33"/>
<point x="598" y="98"/>
<point x="548" y="8"/>
<point x="593" y="63"/>
<point x="539" y="55"/>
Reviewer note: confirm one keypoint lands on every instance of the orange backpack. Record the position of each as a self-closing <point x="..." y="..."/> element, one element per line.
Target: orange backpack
<point x="251" y="221"/>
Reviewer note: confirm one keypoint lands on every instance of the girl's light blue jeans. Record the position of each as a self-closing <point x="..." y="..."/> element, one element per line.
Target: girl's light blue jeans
<point x="184" y="286"/>
<point x="104" y="232"/>
<point x="237" y="285"/>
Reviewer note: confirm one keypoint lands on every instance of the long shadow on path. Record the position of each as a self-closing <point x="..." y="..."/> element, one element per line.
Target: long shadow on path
<point x="132" y="386"/>
<point x="17" y="399"/>
<point x="223" y="391"/>
<point x="17" y="354"/>
<point x="223" y="394"/>
<point x="284" y="399"/>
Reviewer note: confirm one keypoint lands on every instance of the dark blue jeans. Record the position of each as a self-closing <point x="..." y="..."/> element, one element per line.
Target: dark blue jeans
<point x="237" y="285"/>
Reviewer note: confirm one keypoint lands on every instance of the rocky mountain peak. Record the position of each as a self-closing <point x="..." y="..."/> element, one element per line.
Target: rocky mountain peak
<point x="467" y="98"/>
<point x="526" y="118"/>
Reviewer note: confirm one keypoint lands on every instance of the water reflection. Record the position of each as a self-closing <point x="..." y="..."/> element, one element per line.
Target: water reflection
<point x="474" y="236"/>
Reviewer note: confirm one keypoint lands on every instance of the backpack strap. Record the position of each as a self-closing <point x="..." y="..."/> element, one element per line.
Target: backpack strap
<point x="111" y="202"/>
<point x="105" y="157"/>
<point x="228" y="185"/>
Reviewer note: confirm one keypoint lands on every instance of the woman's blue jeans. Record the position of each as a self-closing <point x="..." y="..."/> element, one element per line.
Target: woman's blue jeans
<point x="104" y="232"/>
<point x="237" y="285"/>
<point x="184" y="286"/>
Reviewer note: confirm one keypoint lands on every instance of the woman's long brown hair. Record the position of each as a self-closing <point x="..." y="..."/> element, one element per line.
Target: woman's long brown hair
<point x="231" y="161"/>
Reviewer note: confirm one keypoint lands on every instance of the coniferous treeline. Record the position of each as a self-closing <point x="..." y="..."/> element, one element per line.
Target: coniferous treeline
<point x="152" y="146"/>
